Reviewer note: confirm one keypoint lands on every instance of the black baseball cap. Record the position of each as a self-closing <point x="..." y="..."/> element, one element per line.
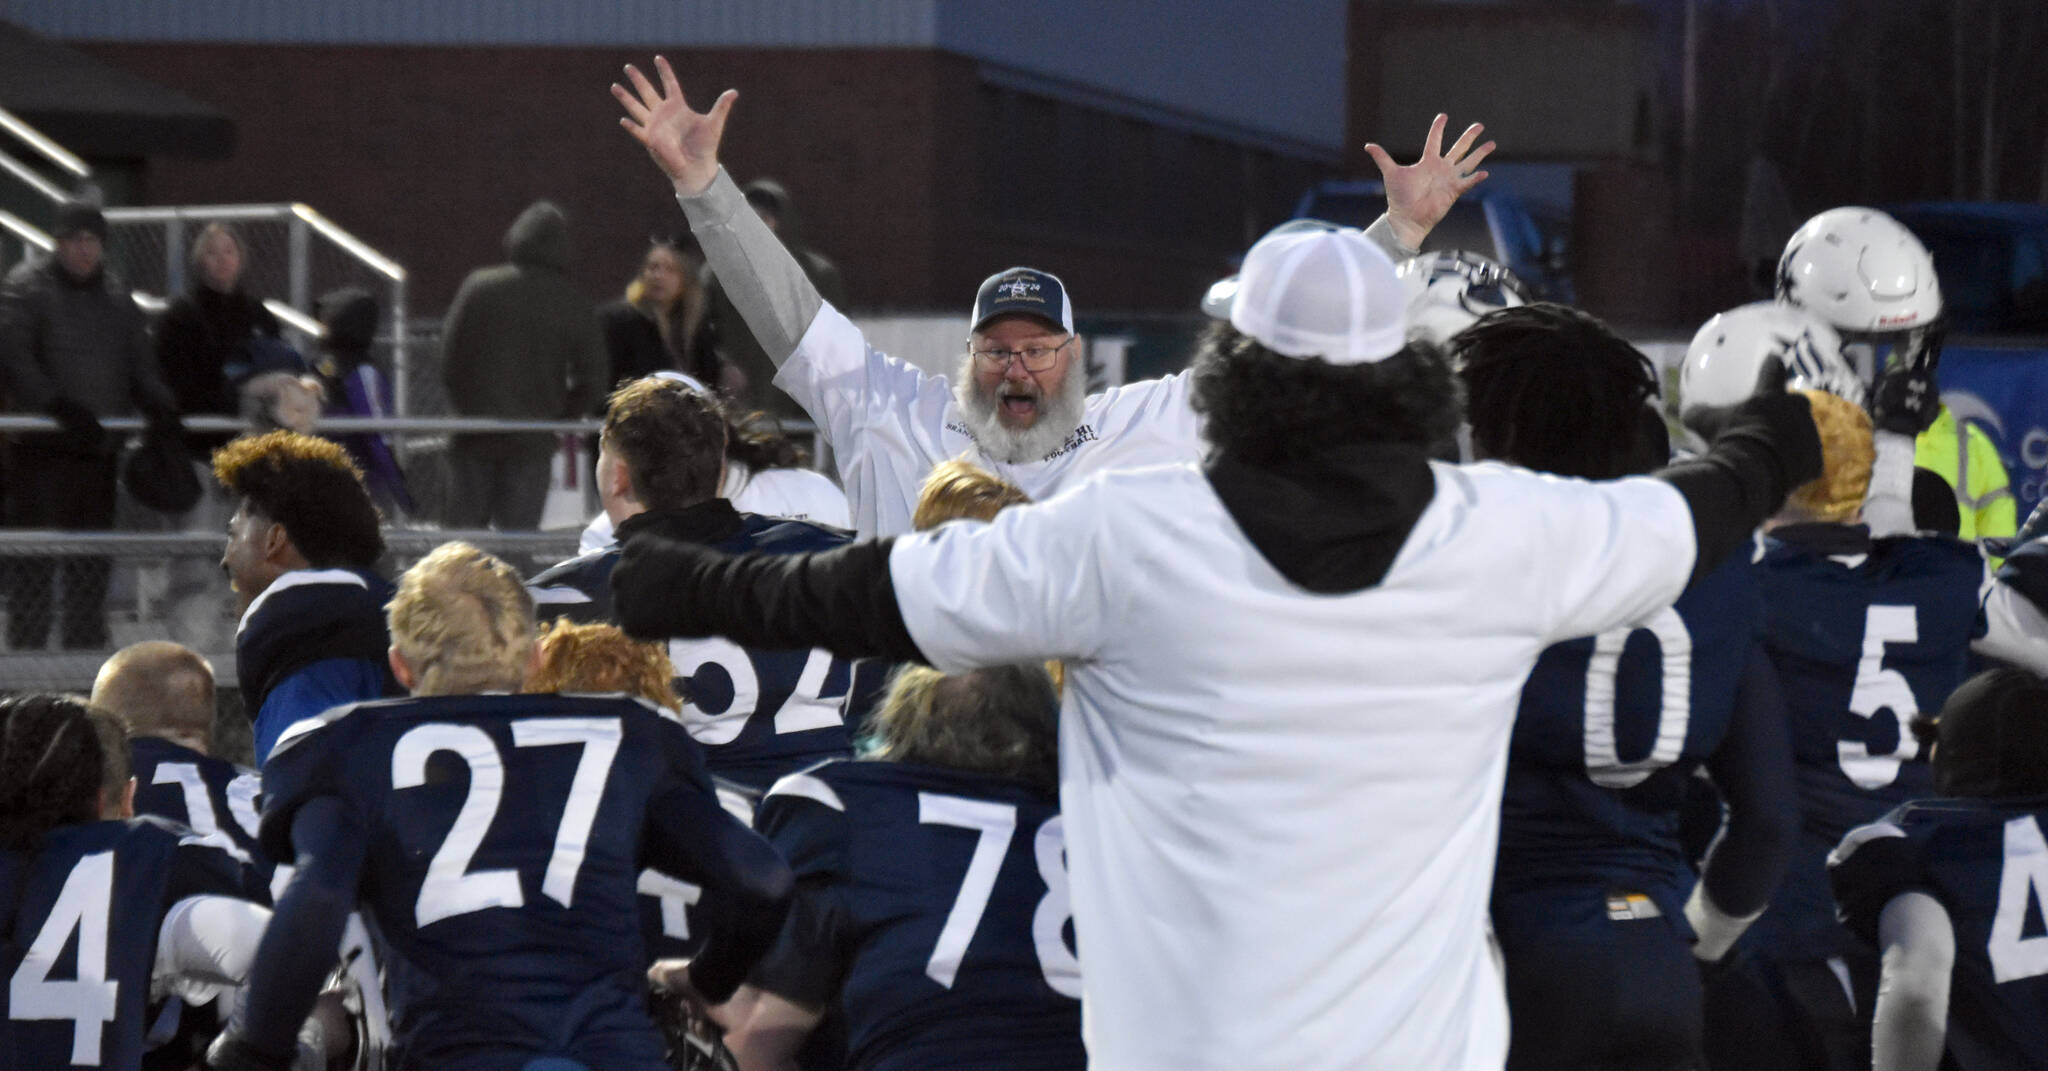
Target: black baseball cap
<point x="1027" y="291"/>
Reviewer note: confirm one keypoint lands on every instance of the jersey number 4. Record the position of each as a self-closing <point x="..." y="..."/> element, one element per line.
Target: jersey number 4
<point x="450" y="889"/>
<point x="2022" y="883"/>
<point x="997" y="824"/>
<point x="84" y="907"/>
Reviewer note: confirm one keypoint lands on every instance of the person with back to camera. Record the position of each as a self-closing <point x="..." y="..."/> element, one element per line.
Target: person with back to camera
<point x="495" y="842"/>
<point x="1284" y="699"/>
<point x="103" y="909"/>
<point x="1597" y="906"/>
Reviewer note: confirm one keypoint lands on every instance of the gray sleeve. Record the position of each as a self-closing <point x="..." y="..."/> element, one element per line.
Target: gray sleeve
<point x="761" y="279"/>
<point x="1382" y="234"/>
<point x="1911" y="1014"/>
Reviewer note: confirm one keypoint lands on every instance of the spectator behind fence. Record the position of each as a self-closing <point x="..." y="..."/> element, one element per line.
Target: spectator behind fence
<point x="282" y="401"/>
<point x="357" y="387"/>
<point x="651" y="328"/>
<point x="302" y="555"/>
<point x="725" y="332"/>
<point x="73" y="345"/>
<point x="209" y="328"/>
<point x="521" y="344"/>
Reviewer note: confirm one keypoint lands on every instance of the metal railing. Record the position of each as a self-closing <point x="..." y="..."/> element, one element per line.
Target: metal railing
<point x="287" y="248"/>
<point x="146" y="601"/>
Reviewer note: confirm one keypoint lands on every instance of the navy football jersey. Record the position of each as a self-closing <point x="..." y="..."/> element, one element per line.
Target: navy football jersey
<point x="506" y="836"/>
<point x="1608" y="732"/>
<point x="212" y="796"/>
<point x="1987" y="863"/>
<point x="1864" y="634"/>
<point x="759" y="713"/>
<point x="933" y="904"/>
<point x="84" y="915"/>
<point x="314" y="639"/>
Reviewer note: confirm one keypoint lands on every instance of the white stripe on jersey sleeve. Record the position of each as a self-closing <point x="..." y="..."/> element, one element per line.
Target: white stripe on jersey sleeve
<point x="1859" y="837"/>
<point x="808" y="787"/>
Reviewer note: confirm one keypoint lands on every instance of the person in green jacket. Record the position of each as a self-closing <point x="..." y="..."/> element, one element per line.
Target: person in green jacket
<point x="520" y="344"/>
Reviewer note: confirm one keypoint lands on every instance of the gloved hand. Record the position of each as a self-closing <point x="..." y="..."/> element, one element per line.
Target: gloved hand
<point x="1905" y="400"/>
<point x="648" y="583"/>
<point x="1782" y="419"/>
<point x="83" y="433"/>
<point x="165" y="423"/>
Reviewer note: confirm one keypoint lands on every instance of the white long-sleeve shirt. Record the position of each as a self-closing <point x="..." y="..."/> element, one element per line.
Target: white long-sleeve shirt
<point x="1282" y="807"/>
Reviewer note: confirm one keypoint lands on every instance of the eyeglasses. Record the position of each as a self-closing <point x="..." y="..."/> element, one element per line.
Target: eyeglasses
<point x="1034" y="358"/>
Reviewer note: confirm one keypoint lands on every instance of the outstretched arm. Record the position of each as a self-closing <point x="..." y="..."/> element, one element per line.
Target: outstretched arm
<point x="1420" y="194"/>
<point x="766" y="284"/>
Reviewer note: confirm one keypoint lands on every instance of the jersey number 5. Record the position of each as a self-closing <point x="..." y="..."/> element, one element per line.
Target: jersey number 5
<point x="1879" y="688"/>
<point x="450" y="889"/>
<point x="997" y="823"/>
<point x="84" y="907"/>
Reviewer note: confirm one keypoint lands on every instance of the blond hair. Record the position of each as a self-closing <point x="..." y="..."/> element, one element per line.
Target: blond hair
<point x="1846" y="455"/>
<point x="957" y="489"/>
<point x="162" y="688"/>
<point x="600" y="658"/>
<point x="463" y="621"/>
<point x="1001" y="720"/>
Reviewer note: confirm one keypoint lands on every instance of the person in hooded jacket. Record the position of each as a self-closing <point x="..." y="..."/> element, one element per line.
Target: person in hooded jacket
<point x="357" y="387"/>
<point x="725" y="332"/>
<point x="520" y="344"/>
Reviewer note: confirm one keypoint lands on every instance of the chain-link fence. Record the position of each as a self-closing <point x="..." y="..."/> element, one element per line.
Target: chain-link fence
<point x="290" y="254"/>
<point x="72" y="598"/>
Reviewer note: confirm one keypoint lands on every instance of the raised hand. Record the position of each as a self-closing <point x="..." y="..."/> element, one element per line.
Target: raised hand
<point x="682" y="140"/>
<point x="1419" y="194"/>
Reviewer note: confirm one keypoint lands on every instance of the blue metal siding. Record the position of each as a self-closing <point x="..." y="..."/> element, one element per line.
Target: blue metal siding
<point x="1273" y="68"/>
<point x="812" y="23"/>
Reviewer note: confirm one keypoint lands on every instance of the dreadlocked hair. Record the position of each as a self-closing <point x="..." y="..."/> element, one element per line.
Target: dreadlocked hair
<point x="52" y="767"/>
<point x="1266" y="408"/>
<point x="1552" y="389"/>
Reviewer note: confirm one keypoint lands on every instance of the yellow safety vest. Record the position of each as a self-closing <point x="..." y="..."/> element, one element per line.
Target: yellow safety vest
<point x="1964" y="456"/>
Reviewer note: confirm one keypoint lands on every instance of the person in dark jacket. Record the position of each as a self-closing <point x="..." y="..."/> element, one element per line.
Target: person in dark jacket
<point x="73" y="345"/>
<point x="204" y="332"/>
<point x="357" y="387"/>
<point x="725" y="332"/>
<point x="649" y="330"/>
<point x="521" y="344"/>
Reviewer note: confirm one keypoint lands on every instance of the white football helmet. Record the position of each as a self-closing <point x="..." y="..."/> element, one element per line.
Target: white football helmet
<point x="1721" y="365"/>
<point x="1449" y="291"/>
<point x="1870" y="279"/>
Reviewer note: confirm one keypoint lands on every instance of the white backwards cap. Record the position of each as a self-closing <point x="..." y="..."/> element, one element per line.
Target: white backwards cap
<point x="1314" y="289"/>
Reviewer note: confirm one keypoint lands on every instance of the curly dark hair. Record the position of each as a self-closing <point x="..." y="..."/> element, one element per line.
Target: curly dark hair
<point x="1552" y="389"/>
<point x="309" y="485"/>
<point x="671" y="439"/>
<point x="1262" y="407"/>
<point x="52" y="767"/>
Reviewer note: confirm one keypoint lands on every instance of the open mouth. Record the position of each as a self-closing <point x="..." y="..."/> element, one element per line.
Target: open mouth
<point x="1019" y="407"/>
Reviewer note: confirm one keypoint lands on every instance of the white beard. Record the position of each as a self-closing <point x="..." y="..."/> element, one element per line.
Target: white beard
<point x="1058" y="416"/>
